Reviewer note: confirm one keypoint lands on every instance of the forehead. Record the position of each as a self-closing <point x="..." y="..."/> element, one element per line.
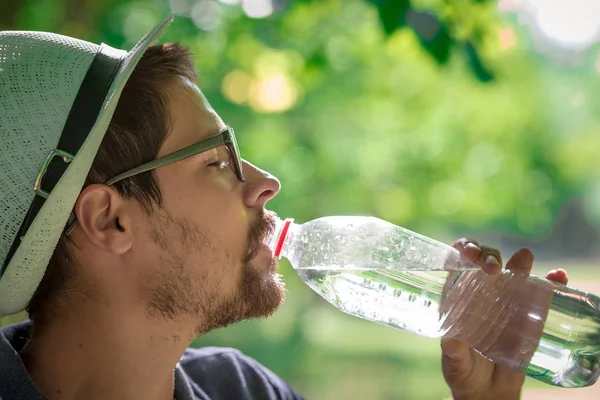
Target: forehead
<point x="192" y="117"/>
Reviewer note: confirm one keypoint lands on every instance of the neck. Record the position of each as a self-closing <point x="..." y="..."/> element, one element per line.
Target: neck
<point x="96" y="354"/>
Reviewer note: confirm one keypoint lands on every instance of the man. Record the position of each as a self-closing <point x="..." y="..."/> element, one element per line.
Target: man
<point x="130" y="224"/>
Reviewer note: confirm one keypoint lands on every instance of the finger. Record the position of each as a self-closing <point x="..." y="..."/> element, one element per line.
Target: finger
<point x="468" y="248"/>
<point x="558" y="276"/>
<point x="489" y="259"/>
<point x="458" y="365"/>
<point x="457" y="362"/>
<point x="521" y="262"/>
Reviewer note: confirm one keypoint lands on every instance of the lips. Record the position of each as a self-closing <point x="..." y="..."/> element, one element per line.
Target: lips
<point x="266" y="247"/>
<point x="259" y="232"/>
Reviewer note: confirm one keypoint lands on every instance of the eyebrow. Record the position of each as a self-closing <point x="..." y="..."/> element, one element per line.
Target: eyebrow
<point x="201" y="137"/>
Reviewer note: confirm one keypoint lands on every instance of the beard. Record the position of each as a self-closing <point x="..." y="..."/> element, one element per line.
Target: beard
<point x="182" y="290"/>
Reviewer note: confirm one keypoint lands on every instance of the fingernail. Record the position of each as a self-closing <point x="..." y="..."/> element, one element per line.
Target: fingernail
<point x="491" y="259"/>
<point x="471" y="245"/>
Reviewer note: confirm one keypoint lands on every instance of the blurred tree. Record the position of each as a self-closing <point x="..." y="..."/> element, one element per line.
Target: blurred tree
<point x="372" y="107"/>
<point x="436" y="36"/>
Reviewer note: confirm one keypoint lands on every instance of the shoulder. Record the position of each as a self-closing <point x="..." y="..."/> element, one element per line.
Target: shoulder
<point x="225" y="373"/>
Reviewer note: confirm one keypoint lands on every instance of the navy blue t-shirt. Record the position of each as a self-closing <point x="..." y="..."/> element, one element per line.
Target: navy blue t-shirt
<point x="209" y="373"/>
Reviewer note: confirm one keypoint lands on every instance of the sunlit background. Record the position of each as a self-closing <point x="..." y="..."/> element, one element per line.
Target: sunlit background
<point x="462" y="118"/>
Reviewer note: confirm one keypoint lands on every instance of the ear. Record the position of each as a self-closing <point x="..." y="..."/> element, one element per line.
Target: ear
<point x="102" y="216"/>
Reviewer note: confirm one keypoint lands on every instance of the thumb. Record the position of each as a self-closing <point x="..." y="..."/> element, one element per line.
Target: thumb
<point x="455" y="349"/>
<point x="462" y="372"/>
<point x="457" y="360"/>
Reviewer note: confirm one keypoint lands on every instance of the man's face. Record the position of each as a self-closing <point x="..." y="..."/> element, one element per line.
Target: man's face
<point x="202" y="248"/>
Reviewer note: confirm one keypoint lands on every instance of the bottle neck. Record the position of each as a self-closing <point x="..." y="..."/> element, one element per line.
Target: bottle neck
<point x="277" y="239"/>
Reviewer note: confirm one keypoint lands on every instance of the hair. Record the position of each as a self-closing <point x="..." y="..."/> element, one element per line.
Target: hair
<point x="136" y="132"/>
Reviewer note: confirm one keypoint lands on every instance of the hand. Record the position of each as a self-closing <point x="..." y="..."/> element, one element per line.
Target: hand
<point x="470" y="375"/>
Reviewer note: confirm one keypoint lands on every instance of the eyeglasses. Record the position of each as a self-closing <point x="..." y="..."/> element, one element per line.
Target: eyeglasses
<point x="224" y="138"/>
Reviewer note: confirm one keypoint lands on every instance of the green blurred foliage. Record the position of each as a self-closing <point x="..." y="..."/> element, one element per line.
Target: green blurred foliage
<point x="361" y="107"/>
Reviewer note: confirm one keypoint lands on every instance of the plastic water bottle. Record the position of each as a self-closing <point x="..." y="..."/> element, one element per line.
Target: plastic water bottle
<point x="378" y="271"/>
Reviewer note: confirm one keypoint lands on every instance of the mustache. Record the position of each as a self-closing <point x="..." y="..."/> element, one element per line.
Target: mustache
<point x="263" y="226"/>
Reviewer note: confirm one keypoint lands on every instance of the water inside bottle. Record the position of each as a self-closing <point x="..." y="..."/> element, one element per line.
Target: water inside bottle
<point x="565" y="354"/>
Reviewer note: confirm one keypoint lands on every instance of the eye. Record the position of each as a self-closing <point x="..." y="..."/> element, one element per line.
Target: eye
<point x="219" y="164"/>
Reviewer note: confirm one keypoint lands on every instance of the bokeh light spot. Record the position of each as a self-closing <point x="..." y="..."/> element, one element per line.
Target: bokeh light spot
<point x="236" y="86"/>
<point x="483" y="161"/>
<point x="507" y="37"/>
<point x="182" y="7"/>
<point x="275" y="93"/>
<point x="257" y="8"/>
<point x="206" y="15"/>
<point x="137" y="23"/>
<point x="577" y="100"/>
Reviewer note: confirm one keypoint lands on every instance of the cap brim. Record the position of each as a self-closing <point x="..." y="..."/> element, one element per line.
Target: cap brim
<point x="23" y="274"/>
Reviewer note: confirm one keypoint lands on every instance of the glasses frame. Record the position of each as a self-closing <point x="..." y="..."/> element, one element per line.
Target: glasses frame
<point x="225" y="137"/>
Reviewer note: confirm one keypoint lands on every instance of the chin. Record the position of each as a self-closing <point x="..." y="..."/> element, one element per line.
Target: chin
<point x="259" y="297"/>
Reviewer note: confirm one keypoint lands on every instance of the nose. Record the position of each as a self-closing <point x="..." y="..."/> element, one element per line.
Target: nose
<point x="260" y="186"/>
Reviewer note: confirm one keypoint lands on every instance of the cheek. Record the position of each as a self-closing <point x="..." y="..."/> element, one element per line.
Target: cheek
<point x="217" y="210"/>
